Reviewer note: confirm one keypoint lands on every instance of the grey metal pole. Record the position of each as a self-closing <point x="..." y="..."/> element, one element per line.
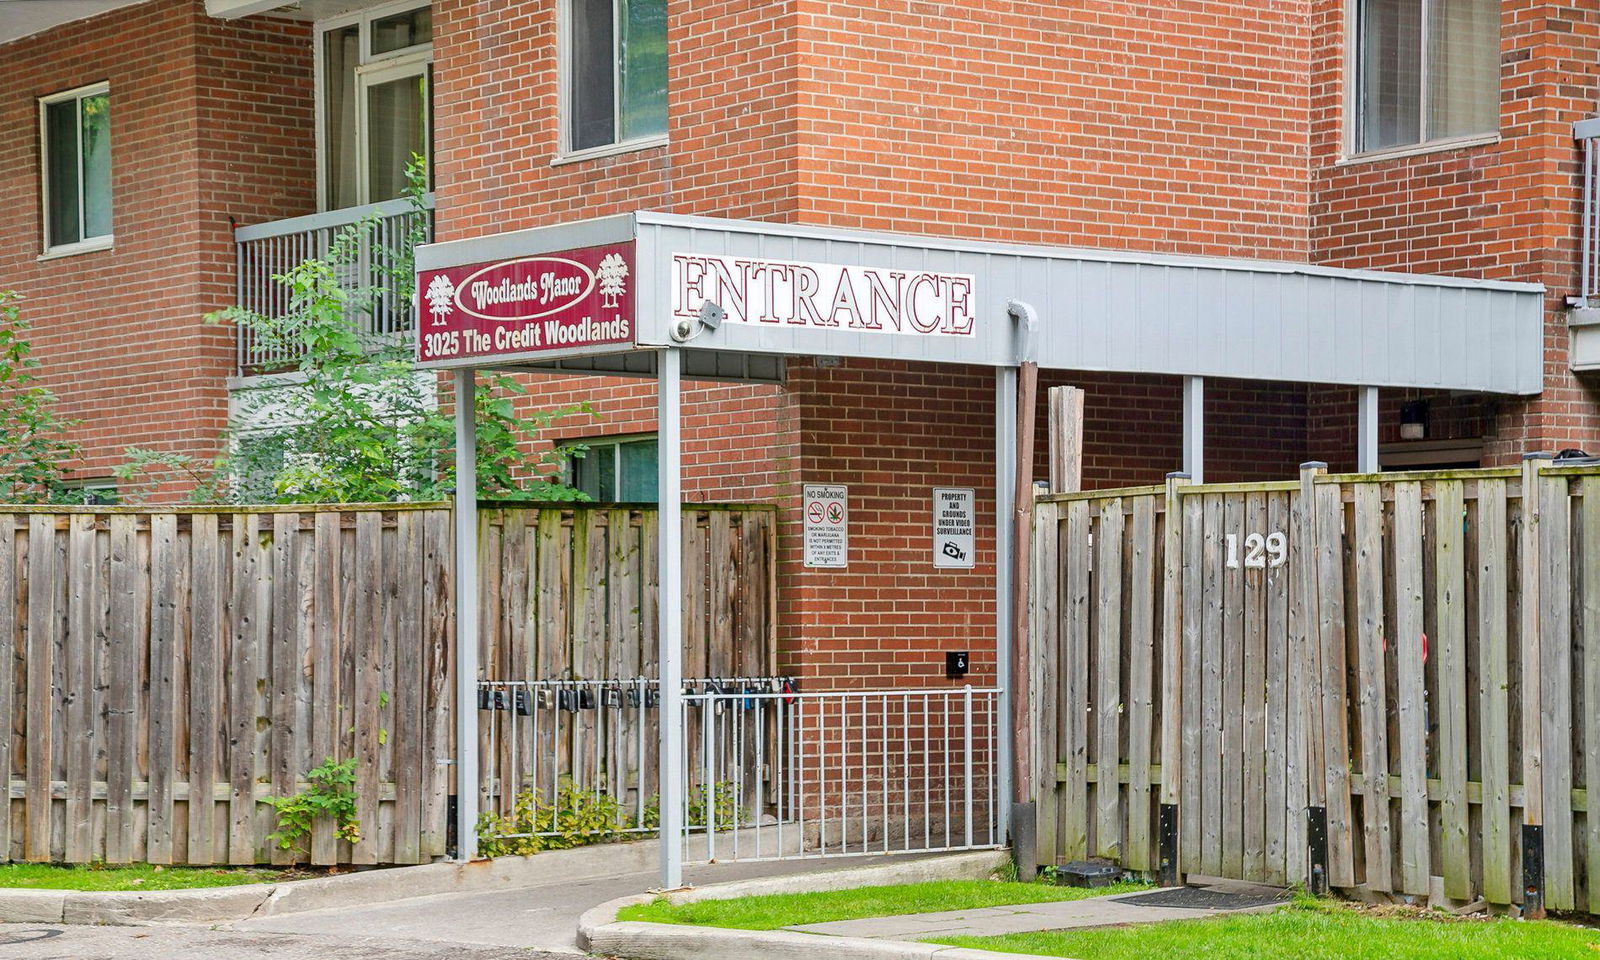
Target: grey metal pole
<point x="1194" y="428"/>
<point x="1005" y="430"/>
<point x="1367" y="431"/>
<point x="669" y="568"/>
<point x="466" y="517"/>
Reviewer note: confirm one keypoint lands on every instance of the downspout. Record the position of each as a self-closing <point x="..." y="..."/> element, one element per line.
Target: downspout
<point x="1023" y="826"/>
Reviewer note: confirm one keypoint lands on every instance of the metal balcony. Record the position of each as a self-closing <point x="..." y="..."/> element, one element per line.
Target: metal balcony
<point x="1587" y="133"/>
<point x="266" y="250"/>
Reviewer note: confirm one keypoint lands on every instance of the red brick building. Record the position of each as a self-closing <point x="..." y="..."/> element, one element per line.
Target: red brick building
<point x="1358" y="134"/>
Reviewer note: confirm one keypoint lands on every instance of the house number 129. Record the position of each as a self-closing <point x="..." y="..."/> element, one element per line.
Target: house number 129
<point x="1271" y="550"/>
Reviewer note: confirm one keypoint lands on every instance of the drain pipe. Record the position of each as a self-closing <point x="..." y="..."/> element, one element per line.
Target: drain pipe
<point x="1024" y="828"/>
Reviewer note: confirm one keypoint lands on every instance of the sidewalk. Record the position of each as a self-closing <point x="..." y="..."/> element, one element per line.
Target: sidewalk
<point x="534" y="917"/>
<point x="1110" y="911"/>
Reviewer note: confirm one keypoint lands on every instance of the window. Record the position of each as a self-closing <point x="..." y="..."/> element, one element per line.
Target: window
<point x="616" y="72"/>
<point x="75" y="155"/>
<point x="375" y="79"/>
<point x="95" y="492"/>
<point x="1425" y="71"/>
<point x="616" y="470"/>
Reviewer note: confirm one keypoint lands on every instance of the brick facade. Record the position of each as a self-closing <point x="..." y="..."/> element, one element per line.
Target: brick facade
<point x="1205" y="128"/>
<point x="209" y="121"/>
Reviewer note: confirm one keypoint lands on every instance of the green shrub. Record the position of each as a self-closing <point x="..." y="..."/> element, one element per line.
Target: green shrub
<point x="331" y="793"/>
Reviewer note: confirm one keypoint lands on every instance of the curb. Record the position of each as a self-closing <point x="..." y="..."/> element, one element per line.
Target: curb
<point x="600" y="932"/>
<point x="217" y="904"/>
<point x="665" y="941"/>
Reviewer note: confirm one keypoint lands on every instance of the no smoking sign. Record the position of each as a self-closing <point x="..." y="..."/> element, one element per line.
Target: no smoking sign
<point x="827" y="535"/>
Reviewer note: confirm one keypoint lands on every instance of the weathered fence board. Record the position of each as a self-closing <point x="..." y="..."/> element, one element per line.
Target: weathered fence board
<point x="1418" y="665"/>
<point x="163" y="673"/>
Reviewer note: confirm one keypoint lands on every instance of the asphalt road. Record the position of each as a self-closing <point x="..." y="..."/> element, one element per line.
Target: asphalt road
<point x="30" y="941"/>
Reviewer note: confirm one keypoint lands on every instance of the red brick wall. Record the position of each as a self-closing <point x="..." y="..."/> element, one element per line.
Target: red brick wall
<point x="120" y="332"/>
<point x="891" y="432"/>
<point x="1507" y="210"/>
<point x="1134" y="125"/>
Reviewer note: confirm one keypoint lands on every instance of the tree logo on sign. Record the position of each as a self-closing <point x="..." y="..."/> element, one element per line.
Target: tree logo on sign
<point x="613" y="275"/>
<point x="440" y="293"/>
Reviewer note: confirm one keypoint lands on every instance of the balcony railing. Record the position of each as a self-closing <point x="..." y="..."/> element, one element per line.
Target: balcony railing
<point x="266" y="250"/>
<point x="1588" y="134"/>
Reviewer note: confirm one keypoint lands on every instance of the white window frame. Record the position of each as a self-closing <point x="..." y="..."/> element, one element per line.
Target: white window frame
<point x="564" y="151"/>
<point x="85" y="245"/>
<point x="1352" y="100"/>
<point x="570" y="468"/>
<point x="394" y="65"/>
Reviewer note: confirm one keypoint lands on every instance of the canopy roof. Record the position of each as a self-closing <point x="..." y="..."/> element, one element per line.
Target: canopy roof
<point x="784" y="290"/>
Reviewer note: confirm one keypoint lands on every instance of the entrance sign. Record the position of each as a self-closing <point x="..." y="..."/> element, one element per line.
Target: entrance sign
<point x="827" y="517"/>
<point x="954" y="527"/>
<point x="527" y="306"/>
<point x="825" y="295"/>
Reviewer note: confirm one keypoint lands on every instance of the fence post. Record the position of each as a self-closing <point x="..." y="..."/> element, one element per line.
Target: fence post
<point x="1046" y="667"/>
<point x="1529" y="583"/>
<point x="1172" y="691"/>
<point x="1306" y="749"/>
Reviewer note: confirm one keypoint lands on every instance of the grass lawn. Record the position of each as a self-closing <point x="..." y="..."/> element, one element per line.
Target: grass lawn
<point x="141" y="876"/>
<point x="1309" y="930"/>
<point x="790" y="909"/>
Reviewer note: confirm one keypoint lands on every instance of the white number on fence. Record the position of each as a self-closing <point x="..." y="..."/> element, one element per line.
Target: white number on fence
<point x="1271" y="550"/>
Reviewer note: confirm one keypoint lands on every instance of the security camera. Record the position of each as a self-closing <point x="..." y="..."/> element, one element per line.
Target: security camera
<point x="709" y="317"/>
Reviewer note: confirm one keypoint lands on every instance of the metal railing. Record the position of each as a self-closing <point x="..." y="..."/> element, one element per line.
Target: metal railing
<point x="1587" y="133"/>
<point x="595" y="738"/>
<point x="768" y="773"/>
<point x="266" y="250"/>
<point x="841" y="773"/>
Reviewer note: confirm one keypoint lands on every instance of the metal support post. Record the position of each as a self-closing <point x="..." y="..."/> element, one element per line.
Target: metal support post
<point x="1005" y="426"/>
<point x="1367" y="431"/>
<point x="466" y="517"/>
<point x="1194" y="428"/>
<point x="669" y="570"/>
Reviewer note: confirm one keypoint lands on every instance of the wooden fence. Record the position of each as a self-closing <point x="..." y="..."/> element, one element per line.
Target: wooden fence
<point x="573" y="597"/>
<point x="1410" y="662"/>
<point x="164" y="672"/>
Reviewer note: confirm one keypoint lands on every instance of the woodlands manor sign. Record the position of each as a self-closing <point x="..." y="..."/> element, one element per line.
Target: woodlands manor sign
<point x="824" y="295"/>
<point x="526" y="306"/>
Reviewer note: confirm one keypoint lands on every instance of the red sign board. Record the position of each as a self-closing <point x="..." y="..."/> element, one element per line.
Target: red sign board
<point x="526" y="306"/>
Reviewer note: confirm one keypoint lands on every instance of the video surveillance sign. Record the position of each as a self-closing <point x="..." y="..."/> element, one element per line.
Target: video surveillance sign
<point x="954" y="527"/>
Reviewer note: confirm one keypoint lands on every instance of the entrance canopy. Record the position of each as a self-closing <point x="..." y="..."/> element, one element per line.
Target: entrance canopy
<point x="602" y="295"/>
<point x="678" y="297"/>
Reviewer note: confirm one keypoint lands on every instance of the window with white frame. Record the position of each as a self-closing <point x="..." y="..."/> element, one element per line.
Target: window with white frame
<point x="615" y="73"/>
<point x="375" y="97"/>
<point x="1425" y="71"/>
<point x="75" y="161"/>
<point x="615" y="469"/>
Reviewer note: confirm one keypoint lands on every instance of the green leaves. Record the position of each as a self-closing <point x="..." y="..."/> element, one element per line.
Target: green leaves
<point x="34" y="448"/>
<point x="575" y="818"/>
<point x="330" y="793"/>
<point x="356" y="421"/>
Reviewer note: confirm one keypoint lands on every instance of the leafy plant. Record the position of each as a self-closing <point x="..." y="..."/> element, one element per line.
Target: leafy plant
<point x="577" y="817"/>
<point x="331" y="793"/>
<point x="355" y="421"/>
<point x="33" y="437"/>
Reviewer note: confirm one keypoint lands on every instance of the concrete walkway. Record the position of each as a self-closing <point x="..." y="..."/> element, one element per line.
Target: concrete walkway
<point x="534" y="917"/>
<point x="1109" y="911"/>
